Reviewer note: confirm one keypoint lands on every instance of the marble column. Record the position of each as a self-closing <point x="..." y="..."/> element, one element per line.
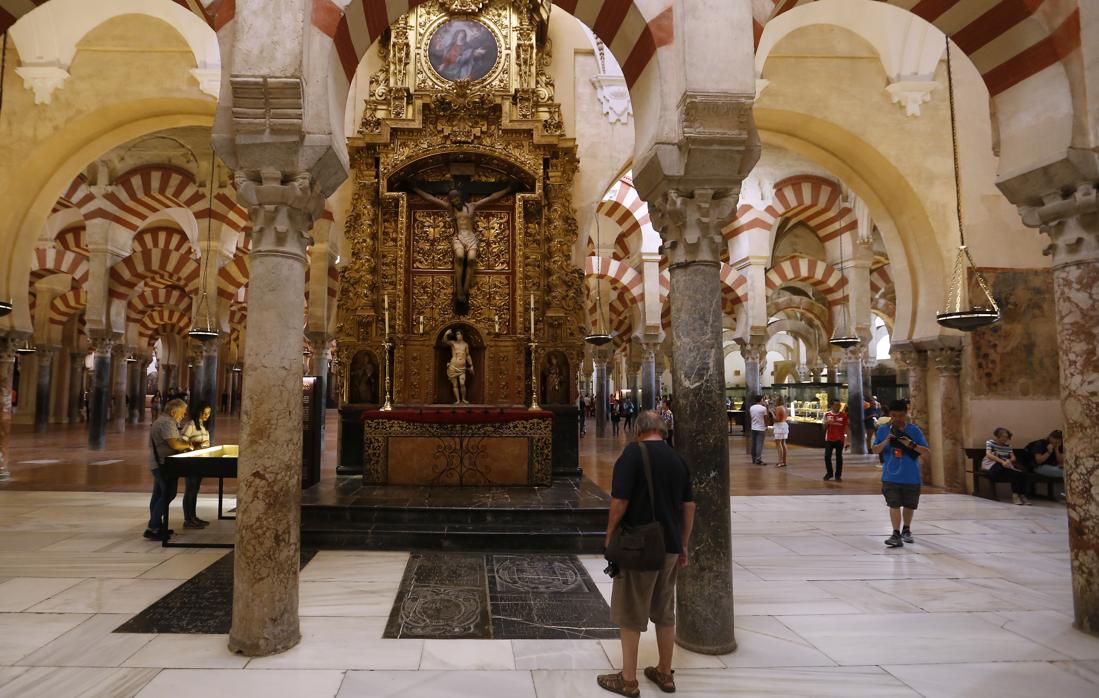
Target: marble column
<point x="915" y="362"/>
<point x="602" y="390"/>
<point x="266" y="563"/>
<point x="754" y="353"/>
<point x="322" y="364"/>
<point x="44" y="357"/>
<point x="648" y="376"/>
<point x="76" y="384"/>
<point x="142" y="378"/>
<point x="690" y="228"/>
<point x="99" y="395"/>
<point x="204" y="370"/>
<point x="120" y="373"/>
<point x="948" y="361"/>
<point x="856" y="412"/>
<point x="1072" y="223"/>
<point x="7" y="367"/>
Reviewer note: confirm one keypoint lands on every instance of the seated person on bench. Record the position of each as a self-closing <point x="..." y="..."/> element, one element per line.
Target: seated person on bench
<point x="1049" y="455"/>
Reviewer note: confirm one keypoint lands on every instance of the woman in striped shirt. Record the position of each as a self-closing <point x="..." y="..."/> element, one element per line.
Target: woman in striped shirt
<point x="1001" y="465"/>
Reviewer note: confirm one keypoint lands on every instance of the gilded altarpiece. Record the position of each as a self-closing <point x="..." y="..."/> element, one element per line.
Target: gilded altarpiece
<point x="496" y="126"/>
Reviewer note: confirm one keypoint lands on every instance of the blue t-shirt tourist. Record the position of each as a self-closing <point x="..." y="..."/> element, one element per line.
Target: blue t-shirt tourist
<point x="901" y="465"/>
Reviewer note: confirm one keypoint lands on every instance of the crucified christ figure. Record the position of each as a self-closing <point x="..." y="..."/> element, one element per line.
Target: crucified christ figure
<point x="466" y="243"/>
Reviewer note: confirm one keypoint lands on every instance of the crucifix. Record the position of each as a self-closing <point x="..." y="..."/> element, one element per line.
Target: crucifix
<point x="466" y="242"/>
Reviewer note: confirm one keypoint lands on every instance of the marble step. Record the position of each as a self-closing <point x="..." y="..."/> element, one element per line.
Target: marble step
<point x="480" y="516"/>
<point x="564" y="539"/>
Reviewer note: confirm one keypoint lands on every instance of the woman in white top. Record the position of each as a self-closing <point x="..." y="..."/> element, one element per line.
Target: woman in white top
<point x="782" y="430"/>
<point x="196" y="433"/>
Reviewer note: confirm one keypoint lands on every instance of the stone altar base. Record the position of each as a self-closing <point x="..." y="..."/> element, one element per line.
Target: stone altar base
<point x="568" y="517"/>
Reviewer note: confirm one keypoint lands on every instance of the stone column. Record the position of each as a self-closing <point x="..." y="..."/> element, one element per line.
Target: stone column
<point x="44" y="357"/>
<point x="915" y="362"/>
<point x="602" y="390"/>
<point x="7" y="367"/>
<point x="120" y="372"/>
<point x="76" y="384"/>
<point x="204" y="372"/>
<point x="754" y="354"/>
<point x="136" y="401"/>
<point x="322" y="364"/>
<point x="855" y="411"/>
<point x="265" y="588"/>
<point x="99" y="397"/>
<point x="142" y="378"/>
<point x="690" y="227"/>
<point x="1072" y="222"/>
<point x="648" y="376"/>
<point x="948" y="361"/>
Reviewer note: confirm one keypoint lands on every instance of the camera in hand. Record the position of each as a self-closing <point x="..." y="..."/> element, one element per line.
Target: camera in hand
<point x="612" y="570"/>
<point x="903" y="441"/>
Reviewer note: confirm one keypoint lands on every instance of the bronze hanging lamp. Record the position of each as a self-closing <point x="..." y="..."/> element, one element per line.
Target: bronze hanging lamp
<point x="842" y="336"/>
<point x="598" y="337"/>
<point x="204" y="328"/>
<point x="957" y="314"/>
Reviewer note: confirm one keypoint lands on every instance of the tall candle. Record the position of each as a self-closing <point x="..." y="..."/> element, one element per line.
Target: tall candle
<point x="496" y="322"/>
<point x="387" y="315"/>
<point x="421" y="324"/>
<point x="532" y="316"/>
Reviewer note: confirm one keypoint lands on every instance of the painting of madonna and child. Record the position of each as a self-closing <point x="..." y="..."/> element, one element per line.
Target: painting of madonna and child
<point x="463" y="50"/>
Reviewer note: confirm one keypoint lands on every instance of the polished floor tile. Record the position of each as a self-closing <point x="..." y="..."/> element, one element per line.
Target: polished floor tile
<point x="1019" y="680"/>
<point x="93" y="643"/>
<point x="560" y="654"/>
<point x="78" y="683"/>
<point x="107" y="596"/>
<point x="187" y="652"/>
<point x="228" y="683"/>
<point x="23" y="633"/>
<point x="763" y="641"/>
<point x="438" y="684"/>
<point x="21" y="593"/>
<point x="468" y="655"/>
<point x="346" y="643"/>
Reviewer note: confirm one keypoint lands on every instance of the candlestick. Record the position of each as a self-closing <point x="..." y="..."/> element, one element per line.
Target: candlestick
<point x="496" y="322"/>
<point x="421" y="324"/>
<point x="387" y="315"/>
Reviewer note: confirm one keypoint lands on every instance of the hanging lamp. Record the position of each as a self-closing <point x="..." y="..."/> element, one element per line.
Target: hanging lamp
<point x="598" y="338"/>
<point x="5" y="308"/>
<point x="847" y="340"/>
<point x="956" y="313"/>
<point x="204" y="329"/>
<point x="26" y="347"/>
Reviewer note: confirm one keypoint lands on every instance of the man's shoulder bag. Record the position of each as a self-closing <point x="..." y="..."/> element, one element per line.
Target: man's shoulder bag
<point x="640" y="547"/>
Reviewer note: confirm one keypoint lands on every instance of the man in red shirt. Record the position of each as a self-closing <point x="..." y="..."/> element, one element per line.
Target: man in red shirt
<point x="835" y="433"/>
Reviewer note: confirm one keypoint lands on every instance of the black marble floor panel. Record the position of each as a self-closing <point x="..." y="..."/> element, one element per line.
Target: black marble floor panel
<point x="488" y="596"/>
<point x="201" y="605"/>
<point x="564" y="493"/>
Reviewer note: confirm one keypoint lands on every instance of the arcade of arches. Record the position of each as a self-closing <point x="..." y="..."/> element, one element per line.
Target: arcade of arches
<point x="717" y="187"/>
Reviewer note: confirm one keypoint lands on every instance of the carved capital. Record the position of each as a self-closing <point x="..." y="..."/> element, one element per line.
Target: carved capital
<point x="754" y="351"/>
<point x="7" y="349"/>
<point x="1072" y="223"/>
<point x="614" y="96"/>
<point x="690" y="225"/>
<point x="283" y="209"/>
<point x="948" y="360"/>
<point x="43" y="80"/>
<point x="911" y="94"/>
<point x="856" y="354"/>
<point x="648" y="352"/>
<point x="102" y="344"/>
<point x="913" y="359"/>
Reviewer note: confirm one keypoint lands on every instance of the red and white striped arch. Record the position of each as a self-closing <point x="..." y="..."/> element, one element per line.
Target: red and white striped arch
<point x="73" y="239"/>
<point x="157" y="253"/>
<point x="143" y="192"/>
<point x="734" y="289"/>
<point x="150" y="298"/>
<point x="618" y="273"/>
<point x="55" y="260"/>
<point x="881" y="281"/>
<point x="820" y="275"/>
<point x="160" y="321"/>
<point x="629" y="213"/>
<point x="225" y="210"/>
<point x="1008" y="41"/>
<point x="815" y="201"/>
<point x="67" y="304"/>
<point x="77" y="196"/>
<point x="233" y="275"/>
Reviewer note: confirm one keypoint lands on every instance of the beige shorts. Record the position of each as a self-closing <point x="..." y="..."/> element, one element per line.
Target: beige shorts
<point x="638" y="597"/>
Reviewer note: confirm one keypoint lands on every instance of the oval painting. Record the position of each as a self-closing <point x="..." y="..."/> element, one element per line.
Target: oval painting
<point x="463" y="49"/>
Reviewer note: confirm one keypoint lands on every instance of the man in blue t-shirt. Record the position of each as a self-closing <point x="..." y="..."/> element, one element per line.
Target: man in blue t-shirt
<point x="903" y="445"/>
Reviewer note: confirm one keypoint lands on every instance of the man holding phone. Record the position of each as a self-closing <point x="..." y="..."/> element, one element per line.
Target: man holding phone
<point x="903" y="444"/>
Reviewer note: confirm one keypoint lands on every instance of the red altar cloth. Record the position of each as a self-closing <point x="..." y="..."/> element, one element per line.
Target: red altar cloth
<point x="457" y="415"/>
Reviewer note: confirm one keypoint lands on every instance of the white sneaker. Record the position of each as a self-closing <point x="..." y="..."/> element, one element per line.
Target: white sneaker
<point x="1016" y="499"/>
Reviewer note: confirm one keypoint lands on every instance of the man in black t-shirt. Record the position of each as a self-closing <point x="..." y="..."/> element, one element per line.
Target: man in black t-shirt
<point x="640" y="596"/>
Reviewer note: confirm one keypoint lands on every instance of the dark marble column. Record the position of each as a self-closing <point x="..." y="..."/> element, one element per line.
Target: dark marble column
<point x="120" y="373"/>
<point x="754" y="354"/>
<point x="7" y="367"/>
<point x="142" y="387"/>
<point x="267" y="556"/>
<point x="602" y="390"/>
<point x="76" y="385"/>
<point x="948" y="361"/>
<point x="44" y="357"/>
<point x="690" y="227"/>
<point x="856" y="412"/>
<point x="136" y="401"/>
<point x="204" y="370"/>
<point x="99" y="395"/>
<point x="648" y="376"/>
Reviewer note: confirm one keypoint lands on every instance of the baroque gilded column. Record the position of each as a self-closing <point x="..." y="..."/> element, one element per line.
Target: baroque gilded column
<point x="44" y="357"/>
<point x="690" y="225"/>
<point x="1072" y="223"/>
<point x="99" y="395"/>
<point x="948" y="361"/>
<point x="7" y="367"/>
<point x="600" y="357"/>
<point x="282" y="209"/>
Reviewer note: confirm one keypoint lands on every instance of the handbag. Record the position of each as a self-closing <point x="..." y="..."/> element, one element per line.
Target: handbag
<point x="640" y="547"/>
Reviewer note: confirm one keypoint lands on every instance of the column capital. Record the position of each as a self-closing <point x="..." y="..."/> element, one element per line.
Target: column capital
<point x="282" y="207"/>
<point x="1072" y="222"/>
<point x="7" y="348"/>
<point x="690" y="223"/>
<point x="911" y="357"/>
<point x="948" y="360"/>
<point x="855" y="354"/>
<point x="600" y="357"/>
<point x="102" y="344"/>
<point x="754" y="351"/>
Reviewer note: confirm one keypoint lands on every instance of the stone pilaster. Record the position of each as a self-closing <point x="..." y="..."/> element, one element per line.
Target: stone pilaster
<point x="99" y="395"/>
<point x="690" y="227"/>
<point x="853" y="360"/>
<point x="600" y="357"/>
<point x="915" y="362"/>
<point x="7" y="367"/>
<point x="76" y="384"/>
<point x="1072" y="223"/>
<point x="44" y="358"/>
<point x="648" y="376"/>
<point x="948" y="362"/>
<point x="282" y="209"/>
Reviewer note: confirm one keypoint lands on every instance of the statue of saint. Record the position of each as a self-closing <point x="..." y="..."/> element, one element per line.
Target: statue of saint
<point x="466" y="243"/>
<point x="460" y="362"/>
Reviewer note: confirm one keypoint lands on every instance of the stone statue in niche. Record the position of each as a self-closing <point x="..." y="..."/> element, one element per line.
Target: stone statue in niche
<point x="363" y="388"/>
<point x="460" y="362"/>
<point x="466" y="243"/>
<point x="555" y="387"/>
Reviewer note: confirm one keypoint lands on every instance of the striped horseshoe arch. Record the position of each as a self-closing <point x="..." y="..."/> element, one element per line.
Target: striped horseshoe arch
<point x="150" y="298"/>
<point x="66" y="305"/>
<point x="815" y="201"/>
<point x="161" y="321"/>
<point x="820" y="275"/>
<point x="57" y="260"/>
<point x="140" y="193"/>
<point x="626" y="209"/>
<point x="157" y="253"/>
<point x="1008" y="41"/>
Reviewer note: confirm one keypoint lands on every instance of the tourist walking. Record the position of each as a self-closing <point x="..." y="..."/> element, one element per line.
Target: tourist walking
<point x="782" y="430"/>
<point x="757" y="416"/>
<point x="669" y="423"/>
<point x="650" y="482"/>
<point x="1000" y="464"/>
<point x="903" y="444"/>
<point x="165" y="439"/>
<point x="872" y="411"/>
<point x="199" y="437"/>
<point x="616" y="417"/>
<point x="835" y="433"/>
<point x="630" y="415"/>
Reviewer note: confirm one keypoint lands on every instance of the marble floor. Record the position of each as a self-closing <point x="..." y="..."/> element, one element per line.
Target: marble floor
<point x="979" y="606"/>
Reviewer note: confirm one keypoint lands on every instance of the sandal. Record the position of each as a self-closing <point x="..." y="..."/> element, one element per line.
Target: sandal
<point x="666" y="682"/>
<point x="616" y="683"/>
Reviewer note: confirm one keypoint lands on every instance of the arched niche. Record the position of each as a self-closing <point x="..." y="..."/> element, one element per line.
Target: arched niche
<point x="364" y="384"/>
<point x="475" y="382"/>
<point x="554" y="379"/>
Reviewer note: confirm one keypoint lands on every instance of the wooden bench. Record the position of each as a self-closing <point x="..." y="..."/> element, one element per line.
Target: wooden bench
<point x="1024" y="459"/>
